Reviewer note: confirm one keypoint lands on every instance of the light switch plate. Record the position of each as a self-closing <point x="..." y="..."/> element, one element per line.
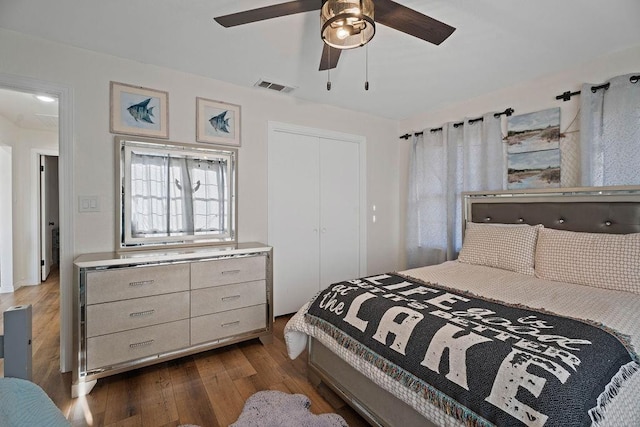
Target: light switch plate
<point x="88" y="204"/>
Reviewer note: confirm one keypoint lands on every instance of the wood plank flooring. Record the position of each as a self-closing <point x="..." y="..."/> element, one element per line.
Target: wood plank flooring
<point x="207" y="389"/>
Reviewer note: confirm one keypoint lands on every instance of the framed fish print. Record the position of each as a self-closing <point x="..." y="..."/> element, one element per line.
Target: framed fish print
<point x="217" y="122"/>
<point x="137" y="110"/>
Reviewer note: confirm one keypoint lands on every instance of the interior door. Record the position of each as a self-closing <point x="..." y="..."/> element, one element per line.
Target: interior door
<point x="339" y="211"/>
<point x="49" y="215"/>
<point x="293" y="217"/>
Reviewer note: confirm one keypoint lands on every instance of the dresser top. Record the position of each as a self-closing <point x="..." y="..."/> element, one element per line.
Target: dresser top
<point x="105" y="259"/>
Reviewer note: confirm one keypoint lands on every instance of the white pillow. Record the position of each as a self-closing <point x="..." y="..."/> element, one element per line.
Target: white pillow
<point x="505" y="246"/>
<point x="609" y="261"/>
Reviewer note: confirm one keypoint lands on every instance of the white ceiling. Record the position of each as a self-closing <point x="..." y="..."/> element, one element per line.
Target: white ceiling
<point x="497" y="43"/>
<point x="26" y="112"/>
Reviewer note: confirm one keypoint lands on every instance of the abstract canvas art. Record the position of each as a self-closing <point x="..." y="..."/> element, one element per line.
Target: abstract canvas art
<point x="137" y="110"/>
<point x="217" y="122"/>
<point x="533" y="150"/>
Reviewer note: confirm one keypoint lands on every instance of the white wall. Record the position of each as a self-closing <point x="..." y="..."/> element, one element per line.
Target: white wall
<point x="8" y="135"/>
<point x="21" y="199"/>
<point x="6" y="220"/>
<point x="8" y="132"/>
<point x="530" y="96"/>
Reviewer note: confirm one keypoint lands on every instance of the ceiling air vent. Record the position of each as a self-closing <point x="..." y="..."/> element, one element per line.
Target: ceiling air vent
<point x="274" y="86"/>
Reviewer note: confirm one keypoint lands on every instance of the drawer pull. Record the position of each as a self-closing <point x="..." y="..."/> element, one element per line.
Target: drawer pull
<point x="141" y="344"/>
<point x="226" y="325"/>
<point x="231" y="272"/>
<point x="142" y="313"/>
<point x="231" y="297"/>
<point x="141" y="283"/>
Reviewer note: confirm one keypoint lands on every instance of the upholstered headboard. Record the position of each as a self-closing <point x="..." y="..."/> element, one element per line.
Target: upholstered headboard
<point x="585" y="209"/>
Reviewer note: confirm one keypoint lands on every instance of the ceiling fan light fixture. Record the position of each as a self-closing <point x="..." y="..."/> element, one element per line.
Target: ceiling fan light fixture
<point x="344" y="32"/>
<point x="347" y="24"/>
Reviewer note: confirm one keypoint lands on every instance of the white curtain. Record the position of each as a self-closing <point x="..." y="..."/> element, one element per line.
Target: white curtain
<point x="210" y="197"/>
<point x="177" y="196"/>
<point x="443" y="164"/>
<point x="610" y="133"/>
<point x="149" y="188"/>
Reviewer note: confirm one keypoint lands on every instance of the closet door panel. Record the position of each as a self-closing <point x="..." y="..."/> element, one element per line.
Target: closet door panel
<point x="339" y="211"/>
<point x="293" y="170"/>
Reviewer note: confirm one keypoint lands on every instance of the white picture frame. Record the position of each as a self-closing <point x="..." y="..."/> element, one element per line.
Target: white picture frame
<point x="137" y="110"/>
<point x="217" y="122"/>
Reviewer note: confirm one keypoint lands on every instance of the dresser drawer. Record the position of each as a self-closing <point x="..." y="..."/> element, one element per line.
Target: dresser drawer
<point x="228" y="270"/>
<point x="126" y="283"/>
<point x="228" y="297"/>
<point x="119" y="316"/>
<point x="108" y="350"/>
<point x="228" y="323"/>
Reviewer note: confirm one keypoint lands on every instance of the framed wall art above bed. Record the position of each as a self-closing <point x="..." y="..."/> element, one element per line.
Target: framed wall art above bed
<point x="533" y="150"/>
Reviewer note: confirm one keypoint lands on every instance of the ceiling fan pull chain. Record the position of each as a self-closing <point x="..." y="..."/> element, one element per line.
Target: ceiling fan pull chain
<point x="366" y="79"/>
<point x="329" y="70"/>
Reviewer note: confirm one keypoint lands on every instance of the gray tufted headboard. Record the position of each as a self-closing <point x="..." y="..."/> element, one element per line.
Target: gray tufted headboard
<point x="587" y="209"/>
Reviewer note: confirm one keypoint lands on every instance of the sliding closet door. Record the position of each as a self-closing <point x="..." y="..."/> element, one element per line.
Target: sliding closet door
<point x="339" y="211"/>
<point x="294" y="218"/>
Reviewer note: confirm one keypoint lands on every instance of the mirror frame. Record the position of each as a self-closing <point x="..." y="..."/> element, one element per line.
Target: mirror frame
<point x="123" y="244"/>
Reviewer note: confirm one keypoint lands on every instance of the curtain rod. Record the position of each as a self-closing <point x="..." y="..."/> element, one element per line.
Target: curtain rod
<point x="565" y="96"/>
<point x="508" y="112"/>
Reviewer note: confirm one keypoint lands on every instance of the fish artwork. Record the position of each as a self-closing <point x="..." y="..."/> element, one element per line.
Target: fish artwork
<point x="140" y="112"/>
<point x="220" y="123"/>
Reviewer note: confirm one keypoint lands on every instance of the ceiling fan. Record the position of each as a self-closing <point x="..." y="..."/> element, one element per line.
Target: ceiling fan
<point x="348" y="24"/>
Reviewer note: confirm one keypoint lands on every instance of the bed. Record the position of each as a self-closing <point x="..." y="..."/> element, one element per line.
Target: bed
<point x="562" y="256"/>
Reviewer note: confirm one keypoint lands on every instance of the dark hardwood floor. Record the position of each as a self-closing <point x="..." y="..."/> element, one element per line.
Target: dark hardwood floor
<point x="206" y="389"/>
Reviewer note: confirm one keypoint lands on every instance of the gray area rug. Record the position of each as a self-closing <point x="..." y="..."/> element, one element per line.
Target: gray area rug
<point x="273" y="408"/>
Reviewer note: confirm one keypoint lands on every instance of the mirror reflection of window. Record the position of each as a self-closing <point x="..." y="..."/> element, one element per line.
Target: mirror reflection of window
<point x="209" y="198"/>
<point x="174" y="196"/>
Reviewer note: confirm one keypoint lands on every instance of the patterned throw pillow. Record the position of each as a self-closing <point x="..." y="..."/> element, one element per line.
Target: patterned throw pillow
<point x="609" y="261"/>
<point x="505" y="246"/>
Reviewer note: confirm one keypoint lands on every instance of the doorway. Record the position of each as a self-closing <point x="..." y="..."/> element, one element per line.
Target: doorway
<point x="28" y="192"/>
<point x="30" y="128"/>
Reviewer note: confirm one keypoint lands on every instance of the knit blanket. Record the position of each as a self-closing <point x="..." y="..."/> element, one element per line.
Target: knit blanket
<point x="484" y="362"/>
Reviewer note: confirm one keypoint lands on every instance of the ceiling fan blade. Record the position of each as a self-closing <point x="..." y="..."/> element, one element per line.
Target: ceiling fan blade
<point x="409" y="21"/>
<point x="268" y="12"/>
<point x="329" y="61"/>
